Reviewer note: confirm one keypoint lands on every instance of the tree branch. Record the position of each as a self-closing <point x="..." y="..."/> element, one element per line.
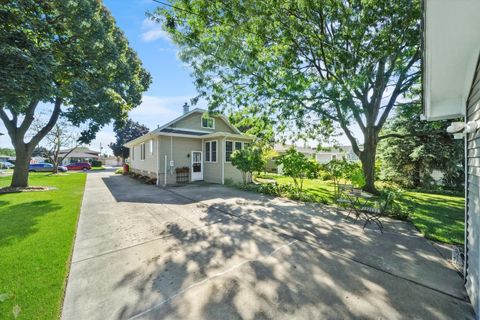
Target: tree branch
<point x="51" y="122"/>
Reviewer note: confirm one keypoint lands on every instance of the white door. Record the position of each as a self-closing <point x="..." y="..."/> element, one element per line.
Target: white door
<point x="197" y="166"/>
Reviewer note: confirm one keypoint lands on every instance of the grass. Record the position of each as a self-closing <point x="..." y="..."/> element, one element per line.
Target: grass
<point x="36" y="238"/>
<point x="98" y="168"/>
<point x="438" y="217"/>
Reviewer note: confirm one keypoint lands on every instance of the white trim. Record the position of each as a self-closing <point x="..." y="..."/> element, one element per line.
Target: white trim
<point x="188" y="129"/>
<point x="158" y="161"/>
<point x="223" y="163"/>
<point x="201" y="165"/>
<point x="210" y="151"/>
<point x="150" y="146"/>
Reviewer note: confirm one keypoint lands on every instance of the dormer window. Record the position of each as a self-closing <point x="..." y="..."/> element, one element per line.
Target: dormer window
<point x="208" y="122"/>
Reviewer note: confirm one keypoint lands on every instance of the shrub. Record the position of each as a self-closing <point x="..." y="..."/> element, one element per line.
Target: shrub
<point x="298" y="167"/>
<point x="397" y="207"/>
<point x="96" y="163"/>
<point x="248" y="160"/>
<point x="119" y="171"/>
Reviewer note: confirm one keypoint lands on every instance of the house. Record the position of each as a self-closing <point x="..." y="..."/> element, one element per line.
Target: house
<point x="202" y="143"/>
<point x="79" y="154"/>
<point x="451" y="89"/>
<point x="322" y="156"/>
<point x="336" y="153"/>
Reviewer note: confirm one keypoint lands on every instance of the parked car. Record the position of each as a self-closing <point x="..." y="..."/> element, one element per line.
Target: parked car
<point x="79" y="166"/>
<point x="44" y="167"/>
<point x="6" y="165"/>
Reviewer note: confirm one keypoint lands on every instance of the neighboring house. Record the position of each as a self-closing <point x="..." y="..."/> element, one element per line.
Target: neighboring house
<point x="111" y="161"/>
<point x="451" y="89"/>
<point x="336" y="153"/>
<point x="4" y="158"/>
<point x="80" y="154"/>
<point x="194" y="140"/>
<point x="322" y="156"/>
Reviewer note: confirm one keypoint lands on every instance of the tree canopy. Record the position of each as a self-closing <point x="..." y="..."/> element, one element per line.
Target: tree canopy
<point x="128" y="131"/>
<point x="70" y="54"/>
<point x="309" y="65"/>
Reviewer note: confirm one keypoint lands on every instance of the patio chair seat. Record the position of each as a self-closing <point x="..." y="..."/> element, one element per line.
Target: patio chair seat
<point x="371" y="210"/>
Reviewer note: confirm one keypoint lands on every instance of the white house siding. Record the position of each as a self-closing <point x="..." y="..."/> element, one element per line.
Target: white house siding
<point x="473" y="196"/>
<point x="148" y="166"/>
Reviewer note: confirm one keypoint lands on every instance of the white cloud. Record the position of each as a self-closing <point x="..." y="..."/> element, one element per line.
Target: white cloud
<point x="153" y="31"/>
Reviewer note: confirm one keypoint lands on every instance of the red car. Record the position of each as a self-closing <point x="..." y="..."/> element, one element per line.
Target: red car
<point x="79" y="166"/>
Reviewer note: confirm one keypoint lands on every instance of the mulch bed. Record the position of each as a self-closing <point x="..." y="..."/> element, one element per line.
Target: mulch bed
<point x="27" y="189"/>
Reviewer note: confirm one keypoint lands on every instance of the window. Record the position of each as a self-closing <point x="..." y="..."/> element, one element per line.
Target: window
<point x="238" y="145"/>
<point x="228" y="151"/>
<point x="207" y="151"/>
<point x="133" y="153"/>
<point x="334" y="157"/>
<point x="208" y="122"/>
<point x="211" y="151"/>
<point x="230" y="146"/>
<point x="142" y="151"/>
<point x="151" y="146"/>
<point x="214" y="151"/>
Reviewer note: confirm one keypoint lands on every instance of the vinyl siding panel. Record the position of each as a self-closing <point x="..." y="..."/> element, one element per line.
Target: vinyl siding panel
<point x="176" y="149"/>
<point x="473" y="196"/>
<point x="194" y="122"/>
<point x="148" y="166"/>
<point x="232" y="174"/>
<point x="213" y="170"/>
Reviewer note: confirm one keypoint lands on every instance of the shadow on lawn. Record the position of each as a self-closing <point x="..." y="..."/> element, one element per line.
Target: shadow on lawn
<point x="261" y="261"/>
<point x="19" y="220"/>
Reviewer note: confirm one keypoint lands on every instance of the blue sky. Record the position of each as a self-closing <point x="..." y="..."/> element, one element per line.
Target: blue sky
<point x="171" y="85"/>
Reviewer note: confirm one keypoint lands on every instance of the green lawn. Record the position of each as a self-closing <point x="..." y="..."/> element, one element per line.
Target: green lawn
<point x="438" y="217"/>
<point x="36" y="238"/>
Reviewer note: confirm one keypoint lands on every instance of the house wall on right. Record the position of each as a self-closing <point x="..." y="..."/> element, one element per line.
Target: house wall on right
<point x="472" y="236"/>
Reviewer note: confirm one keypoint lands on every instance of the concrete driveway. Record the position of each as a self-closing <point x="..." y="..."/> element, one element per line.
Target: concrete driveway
<point x="212" y="252"/>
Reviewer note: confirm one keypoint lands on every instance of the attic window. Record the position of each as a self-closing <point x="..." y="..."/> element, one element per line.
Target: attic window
<point x="208" y="122"/>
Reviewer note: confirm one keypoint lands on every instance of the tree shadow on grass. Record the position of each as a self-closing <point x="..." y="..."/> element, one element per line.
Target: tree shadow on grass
<point x="20" y="220"/>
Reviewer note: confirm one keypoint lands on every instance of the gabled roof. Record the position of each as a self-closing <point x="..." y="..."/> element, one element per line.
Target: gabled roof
<point x="167" y="129"/>
<point x="197" y="110"/>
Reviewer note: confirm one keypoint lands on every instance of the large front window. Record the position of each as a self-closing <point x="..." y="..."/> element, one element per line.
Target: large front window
<point x="211" y="151"/>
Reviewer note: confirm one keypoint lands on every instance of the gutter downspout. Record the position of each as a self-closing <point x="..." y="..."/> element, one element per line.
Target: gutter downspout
<point x="171" y="153"/>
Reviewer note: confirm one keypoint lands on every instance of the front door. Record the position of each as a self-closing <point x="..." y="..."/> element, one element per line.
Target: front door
<point x="197" y="166"/>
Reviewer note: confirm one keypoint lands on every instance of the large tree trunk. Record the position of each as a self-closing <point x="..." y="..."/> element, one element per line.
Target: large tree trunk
<point x="22" y="162"/>
<point x="367" y="158"/>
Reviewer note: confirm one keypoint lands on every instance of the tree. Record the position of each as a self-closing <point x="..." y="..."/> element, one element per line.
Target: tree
<point x="62" y="136"/>
<point x="306" y="64"/>
<point x="69" y="54"/>
<point x="125" y="132"/>
<point x="416" y="148"/>
<point x="248" y="160"/>
<point x="7" y="152"/>
<point x="297" y="166"/>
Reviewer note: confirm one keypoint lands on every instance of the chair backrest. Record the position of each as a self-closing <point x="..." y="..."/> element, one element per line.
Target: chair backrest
<point x="387" y="202"/>
<point x="345" y="187"/>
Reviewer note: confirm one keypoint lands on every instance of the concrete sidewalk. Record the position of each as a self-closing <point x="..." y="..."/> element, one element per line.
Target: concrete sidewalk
<point x="212" y="252"/>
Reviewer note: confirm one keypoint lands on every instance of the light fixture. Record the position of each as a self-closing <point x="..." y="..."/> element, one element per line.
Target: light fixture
<point x="468" y="127"/>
